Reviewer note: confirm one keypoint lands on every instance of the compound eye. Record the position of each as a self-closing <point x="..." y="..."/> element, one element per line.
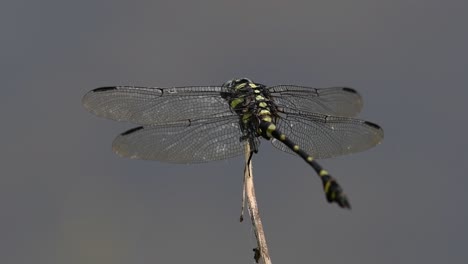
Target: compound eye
<point x="235" y="82"/>
<point x="229" y="83"/>
<point x="244" y="80"/>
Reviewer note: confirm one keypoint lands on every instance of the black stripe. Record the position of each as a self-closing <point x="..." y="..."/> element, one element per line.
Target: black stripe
<point x="103" y="89"/>
<point x="130" y="131"/>
<point x="351" y="90"/>
<point x="374" y="125"/>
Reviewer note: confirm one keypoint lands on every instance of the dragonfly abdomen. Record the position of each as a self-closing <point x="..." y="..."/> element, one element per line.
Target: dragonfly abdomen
<point x="333" y="191"/>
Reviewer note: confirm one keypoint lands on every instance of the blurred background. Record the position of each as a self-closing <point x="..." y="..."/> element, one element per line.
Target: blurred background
<point x="66" y="198"/>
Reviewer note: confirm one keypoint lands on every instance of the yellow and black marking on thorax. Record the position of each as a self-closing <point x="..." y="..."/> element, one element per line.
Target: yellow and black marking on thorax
<point x="252" y="102"/>
<point x="258" y="117"/>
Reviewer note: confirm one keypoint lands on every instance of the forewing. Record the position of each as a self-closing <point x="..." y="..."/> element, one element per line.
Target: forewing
<point x="145" y="105"/>
<point x="325" y="136"/>
<point x="337" y="101"/>
<point x="183" y="142"/>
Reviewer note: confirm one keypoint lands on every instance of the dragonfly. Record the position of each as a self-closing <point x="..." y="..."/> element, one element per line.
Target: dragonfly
<point x="195" y="124"/>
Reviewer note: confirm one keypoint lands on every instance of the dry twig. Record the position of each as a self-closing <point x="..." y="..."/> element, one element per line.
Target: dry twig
<point x="261" y="252"/>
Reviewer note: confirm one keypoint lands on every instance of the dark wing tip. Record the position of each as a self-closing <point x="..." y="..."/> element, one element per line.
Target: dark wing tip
<point x="88" y="97"/>
<point x="103" y="89"/>
<point x="374" y="125"/>
<point x="130" y="131"/>
<point x="351" y="90"/>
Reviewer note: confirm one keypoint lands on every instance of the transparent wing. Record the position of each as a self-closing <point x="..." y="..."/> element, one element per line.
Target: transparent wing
<point x="145" y="105"/>
<point x="337" y="101"/>
<point x="325" y="136"/>
<point x="183" y="142"/>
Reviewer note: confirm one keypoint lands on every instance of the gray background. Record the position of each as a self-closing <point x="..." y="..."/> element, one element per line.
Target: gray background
<point x="66" y="198"/>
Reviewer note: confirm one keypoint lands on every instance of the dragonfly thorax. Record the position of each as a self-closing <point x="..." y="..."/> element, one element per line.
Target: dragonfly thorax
<point x="253" y="103"/>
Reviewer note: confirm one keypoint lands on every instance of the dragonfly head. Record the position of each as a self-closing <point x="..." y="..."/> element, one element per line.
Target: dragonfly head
<point x="237" y="83"/>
